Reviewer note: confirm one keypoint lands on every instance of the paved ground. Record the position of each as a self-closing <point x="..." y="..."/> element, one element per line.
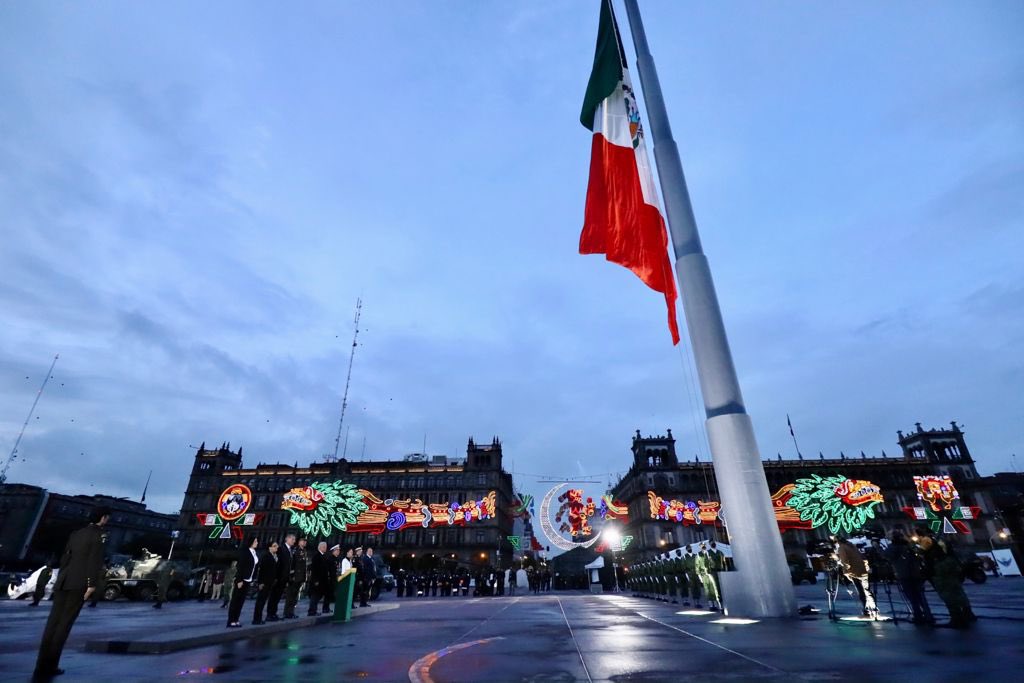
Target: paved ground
<point x="553" y="637"/>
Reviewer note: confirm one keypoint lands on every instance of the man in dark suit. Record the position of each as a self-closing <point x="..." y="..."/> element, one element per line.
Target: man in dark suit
<point x="368" y="576"/>
<point x="318" y="578"/>
<point x="81" y="570"/>
<point x="267" y="572"/>
<point x="284" y="572"/>
<point x="297" y="577"/>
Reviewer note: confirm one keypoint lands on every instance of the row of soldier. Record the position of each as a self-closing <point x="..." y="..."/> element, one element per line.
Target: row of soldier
<point x="681" y="576"/>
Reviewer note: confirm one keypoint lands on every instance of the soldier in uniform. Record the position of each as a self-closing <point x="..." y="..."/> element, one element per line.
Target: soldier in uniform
<point x="229" y="583"/>
<point x="703" y="565"/>
<point x="81" y="570"/>
<point x="674" y="587"/>
<point x="718" y="564"/>
<point x="692" y="580"/>
<point x="163" y="581"/>
<point x="945" y="571"/>
<point x="662" y="580"/>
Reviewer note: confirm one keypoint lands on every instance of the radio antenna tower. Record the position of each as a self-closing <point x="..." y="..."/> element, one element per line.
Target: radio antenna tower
<point x="348" y="380"/>
<point x="39" y="394"/>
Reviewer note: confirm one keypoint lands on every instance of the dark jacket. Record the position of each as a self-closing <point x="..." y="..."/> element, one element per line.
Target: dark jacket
<point x="81" y="565"/>
<point x="268" y="569"/>
<point x="284" y="564"/>
<point x="299" y="565"/>
<point x="369" y="569"/>
<point x="245" y="565"/>
<point x="320" y="574"/>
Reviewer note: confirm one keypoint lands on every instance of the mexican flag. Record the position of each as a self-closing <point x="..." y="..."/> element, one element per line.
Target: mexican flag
<point x="622" y="219"/>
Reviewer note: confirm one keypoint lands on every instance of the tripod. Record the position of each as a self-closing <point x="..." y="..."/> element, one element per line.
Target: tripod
<point x="832" y="575"/>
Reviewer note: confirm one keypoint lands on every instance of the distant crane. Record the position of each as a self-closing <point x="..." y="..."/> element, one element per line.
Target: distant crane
<point x="348" y="380"/>
<point x="39" y="394"/>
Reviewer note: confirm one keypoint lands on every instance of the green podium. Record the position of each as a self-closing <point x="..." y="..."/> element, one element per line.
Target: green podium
<point x="343" y="592"/>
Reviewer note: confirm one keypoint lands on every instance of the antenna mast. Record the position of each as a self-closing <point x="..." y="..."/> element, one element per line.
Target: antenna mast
<point x="348" y="380"/>
<point x="39" y="394"/>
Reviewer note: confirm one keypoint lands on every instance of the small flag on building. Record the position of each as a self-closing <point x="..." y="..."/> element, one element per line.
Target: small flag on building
<point x="622" y="219"/>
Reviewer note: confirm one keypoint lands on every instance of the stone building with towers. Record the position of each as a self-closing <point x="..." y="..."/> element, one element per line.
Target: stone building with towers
<point x="659" y="489"/>
<point x="417" y="510"/>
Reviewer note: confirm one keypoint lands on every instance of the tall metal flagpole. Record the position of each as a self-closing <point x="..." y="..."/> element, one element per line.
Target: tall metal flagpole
<point x="761" y="586"/>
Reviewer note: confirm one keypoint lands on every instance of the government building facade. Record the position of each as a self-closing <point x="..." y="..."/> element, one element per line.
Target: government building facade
<point x="674" y="503"/>
<point x="417" y="512"/>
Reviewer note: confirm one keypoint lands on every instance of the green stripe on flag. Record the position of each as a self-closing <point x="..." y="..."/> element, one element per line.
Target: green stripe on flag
<point x="608" y="64"/>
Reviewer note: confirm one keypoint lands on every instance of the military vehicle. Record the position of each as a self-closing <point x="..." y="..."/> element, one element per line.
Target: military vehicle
<point x="139" y="579"/>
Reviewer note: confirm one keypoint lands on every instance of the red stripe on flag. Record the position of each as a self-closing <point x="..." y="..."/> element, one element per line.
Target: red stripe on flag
<point x="619" y="224"/>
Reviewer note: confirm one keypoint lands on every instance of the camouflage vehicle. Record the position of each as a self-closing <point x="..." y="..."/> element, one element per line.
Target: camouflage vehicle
<point x="138" y="579"/>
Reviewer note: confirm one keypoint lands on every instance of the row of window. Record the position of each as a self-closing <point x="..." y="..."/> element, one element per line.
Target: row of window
<point x="401" y="483"/>
<point x="451" y="538"/>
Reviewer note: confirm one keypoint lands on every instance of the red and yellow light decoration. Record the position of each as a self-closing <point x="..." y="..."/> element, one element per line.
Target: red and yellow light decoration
<point x="324" y="507"/>
<point x="577" y="513"/>
<point x="234" y="501"/>
<point x="232" y="513"/>
<point x="943" y="512"/>
<point x="687" y="513"/>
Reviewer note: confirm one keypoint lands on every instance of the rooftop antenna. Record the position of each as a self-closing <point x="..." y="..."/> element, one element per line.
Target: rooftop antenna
<point x="362" y="456"/>
<point x="39" y="394"/>
<point x="348" y="380"/>
<point x="344" y="450"/>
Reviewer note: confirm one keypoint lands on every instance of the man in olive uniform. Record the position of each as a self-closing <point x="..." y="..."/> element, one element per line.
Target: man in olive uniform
<point x="81" y="570"/>
<point x="692" y="580"/>
<point x="703" y="566"/>
<point x="674" y="586"/>
<point x="163" y="581"/>
<point x="229" y="583"/>
<point x="718" y="564"/>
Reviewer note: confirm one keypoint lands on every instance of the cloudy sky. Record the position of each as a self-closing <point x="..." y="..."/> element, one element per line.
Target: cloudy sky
<point x="193" y="196"/>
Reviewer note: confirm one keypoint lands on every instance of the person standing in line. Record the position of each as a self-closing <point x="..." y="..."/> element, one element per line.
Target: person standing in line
<point x="512" y="580"/>
<point x="205" y="586"/>
<point x="284" y="570"/>
<point x="81" y="569"/>
<point x="296" y="579"/>
<point x="718" y="564"/>
<point x="318" y="579"/>
<point x="265" y="582"/>
<point x="692" y="579"/>
<point x="369" y="575"/>
<point x="704" y="563"/>
<point x="217" y="585"/>
<point x="45" y="574"/>
<point x="248" y="564"/>
<point x="378" y="572"/>
<point x="229" y="583"/>
<point x="331" y="580"/>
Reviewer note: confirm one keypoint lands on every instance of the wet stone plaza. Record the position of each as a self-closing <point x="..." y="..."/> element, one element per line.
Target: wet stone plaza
<point x="558" y="636"/>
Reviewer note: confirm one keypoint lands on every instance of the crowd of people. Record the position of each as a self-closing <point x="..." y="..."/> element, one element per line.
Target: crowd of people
<point x="485" y="581"/>
<point x="910" y="563"/>
<point x="285" y="571"/>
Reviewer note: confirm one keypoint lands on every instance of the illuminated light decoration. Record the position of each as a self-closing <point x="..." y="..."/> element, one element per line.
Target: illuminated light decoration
<point x="944" y="513"/>
<point x="522" y="506"/>
<point x="234" y="501"/>
<point x="938" y="492"/>
<point x="615" y="546"/>
<point x="548" y="528"/>
<point x="324" y="507"/>
<point x="942" y="523"/>
<point x="610" y="509"/>
<point x="844" y="505"/>
<point x="516" y="541"/>
<point x="577" y="513"/>
<point x="223" y="529"/>
<point x="686" y="513"/>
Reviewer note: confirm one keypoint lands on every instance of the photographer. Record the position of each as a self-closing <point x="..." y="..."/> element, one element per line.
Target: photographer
<point x="856" y="569"/>
<point x="908" y="566"/>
